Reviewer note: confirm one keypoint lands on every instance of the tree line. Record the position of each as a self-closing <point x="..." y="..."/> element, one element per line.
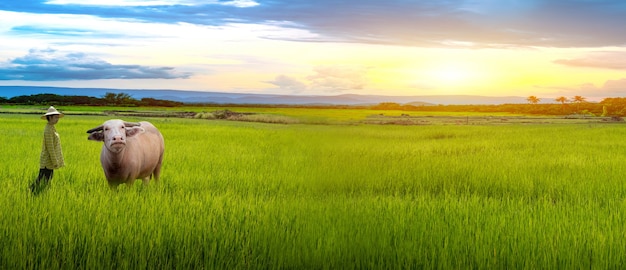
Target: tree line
<point x="109" y="99"/>
<point x="608" y="107"/>
<point x="578" y="105"/>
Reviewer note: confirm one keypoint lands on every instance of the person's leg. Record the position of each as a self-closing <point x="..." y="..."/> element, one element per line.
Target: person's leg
<point x="47" y="175"/>
<point x="42" y="180"/>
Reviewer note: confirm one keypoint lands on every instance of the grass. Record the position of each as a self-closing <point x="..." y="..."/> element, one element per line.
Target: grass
<point x="256" y="195"/>
<point x="323" y="116"/>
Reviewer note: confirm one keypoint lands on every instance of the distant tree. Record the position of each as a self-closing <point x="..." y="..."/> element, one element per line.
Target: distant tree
<point x="533" y="99"/>
<point x="578" y="100"/>
<point x="110" y="98"/>
<point x="38" y="99"/>
<point x="125" y="99"/>
<point x="159" y="102"/>
<point x="387" y="106"/>
<point x="614" y="106"/>
<point x="119" y="99"/>
<point x="563" y="100"/>
<point x="85" y="100"/>
<point x="19" y="100"/>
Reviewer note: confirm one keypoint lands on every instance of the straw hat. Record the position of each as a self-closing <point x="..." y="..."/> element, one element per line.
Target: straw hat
<point x="52" y="111"/>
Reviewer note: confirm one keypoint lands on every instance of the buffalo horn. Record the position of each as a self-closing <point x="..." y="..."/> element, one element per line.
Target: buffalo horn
<point x="131" y="124"/>
<point x="98" y="128"/>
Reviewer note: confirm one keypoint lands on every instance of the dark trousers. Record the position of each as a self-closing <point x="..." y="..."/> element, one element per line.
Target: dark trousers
<point x="42" y="180"/>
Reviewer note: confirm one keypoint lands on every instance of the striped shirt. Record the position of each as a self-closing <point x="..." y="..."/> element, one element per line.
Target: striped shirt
<point x="51" y="155"/>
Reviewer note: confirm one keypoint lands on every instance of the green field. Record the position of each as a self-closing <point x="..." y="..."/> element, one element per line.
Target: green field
<point x="256" y="195"/>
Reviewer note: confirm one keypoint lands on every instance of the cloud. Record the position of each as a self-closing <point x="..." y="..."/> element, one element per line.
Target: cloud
<point x="338" y="78"/>
<point x="450" y="23"/>
<point x="606" y="60"/>
<point x="326" y="78"/>
<point x="67" y="32"/>
<point x="143" y="3"/>
<point x="610" y="88"/>
<point x="52" y="65"/>
<point x="508" y="23"/>
<point x="616" y="85"/>
<point x="287" y="83"/>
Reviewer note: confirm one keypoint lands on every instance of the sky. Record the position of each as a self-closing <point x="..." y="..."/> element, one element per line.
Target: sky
<point x="544" y="48"/>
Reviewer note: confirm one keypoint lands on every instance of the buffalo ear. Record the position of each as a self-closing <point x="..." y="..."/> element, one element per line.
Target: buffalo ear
<point x="96" y="136"/>
<point x="134" y="131"/>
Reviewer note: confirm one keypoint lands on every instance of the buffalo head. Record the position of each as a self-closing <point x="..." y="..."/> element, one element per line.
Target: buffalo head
<point x="114" y="133"/>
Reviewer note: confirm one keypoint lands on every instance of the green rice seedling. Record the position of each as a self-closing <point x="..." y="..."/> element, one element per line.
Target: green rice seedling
<point x="259" y="195"/>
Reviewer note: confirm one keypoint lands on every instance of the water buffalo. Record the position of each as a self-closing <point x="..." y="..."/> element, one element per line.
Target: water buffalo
<point x="131" y="151"/>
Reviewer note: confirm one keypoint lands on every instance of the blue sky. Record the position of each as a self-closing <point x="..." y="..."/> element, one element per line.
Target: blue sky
<point x="396" y="47"/>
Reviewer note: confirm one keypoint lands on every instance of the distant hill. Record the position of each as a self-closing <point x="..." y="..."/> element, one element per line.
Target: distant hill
<point x="238" y="98"/>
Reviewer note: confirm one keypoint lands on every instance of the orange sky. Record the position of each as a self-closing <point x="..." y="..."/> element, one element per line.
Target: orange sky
<point x="518" y="48"/>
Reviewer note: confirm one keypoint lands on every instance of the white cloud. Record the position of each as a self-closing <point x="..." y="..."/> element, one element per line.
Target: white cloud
<point x="126" y="3"/>
<point x="287" y="83"/>
<point x="338" y="78"/>
<point x="53" y="65"/>
<point x="240" y="3"/>
<point x="610" y="88"/>
<point x="145" y="3"/>
<point x="602" y="59"/>
<point x="615" y="85"/>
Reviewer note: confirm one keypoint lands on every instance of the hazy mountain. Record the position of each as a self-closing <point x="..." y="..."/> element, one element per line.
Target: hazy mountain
<point x="237" y="98"/>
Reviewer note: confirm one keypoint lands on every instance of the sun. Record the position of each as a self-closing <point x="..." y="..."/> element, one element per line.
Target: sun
<point x="452" y="74"/>
<point x="438" y="76"/>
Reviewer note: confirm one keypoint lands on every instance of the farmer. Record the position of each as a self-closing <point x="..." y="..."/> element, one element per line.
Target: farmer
<point x="51" y="157"/>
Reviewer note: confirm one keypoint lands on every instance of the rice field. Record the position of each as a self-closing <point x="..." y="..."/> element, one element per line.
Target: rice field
<point x="247" y="195"/>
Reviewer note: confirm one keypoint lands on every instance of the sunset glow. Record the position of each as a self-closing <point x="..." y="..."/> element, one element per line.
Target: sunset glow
<point x="521" y="48"/>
